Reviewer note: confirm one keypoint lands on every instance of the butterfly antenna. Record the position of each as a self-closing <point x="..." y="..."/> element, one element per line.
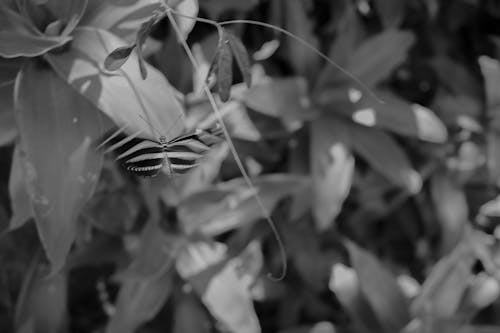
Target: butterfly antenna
<point x="158" y="133"/>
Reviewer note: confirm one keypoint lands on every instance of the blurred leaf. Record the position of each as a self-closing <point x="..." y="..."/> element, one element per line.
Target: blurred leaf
<point x="285" y="98"/>
<point x="19" y="38"/>
<point x="139" y="300"/>
<point x="156" y="253"/>
<point x="190" y="316"/>
<point x="222" y="290"/>
<point x="188" y="8"/>
<point x="224" y="69"/>
<point x="8" y="71"/>
<point x="142" y="35"/>
<point x="41" y="306"/>
<point x="123" y="96"/>
<point x="399" y="116"/>
<point x="117" y="57"/>
<point x="383" y="153"/>
<point x="482" y="292"/>
<point x="380" y="288"/>
<point x="491" y="72"/>
<point x="345" y="284"/>
<point x="121" y="19"/>
<point x="391" y="12"/>
<point x="294" y="14"/>
<point x="375" y="59"/>
<point x="22" y="209"/>
<point x="332" y="171"/>
<point x="452" y="210"/>
<point x="232" y="204"/>
<point x="241" y="55"/>
<point x="215" y="8"/>
<point x="444" y="287"/>
<point x="8" y="127"/>
<point x="68" y="12"/>
<point x="56" y="134"/>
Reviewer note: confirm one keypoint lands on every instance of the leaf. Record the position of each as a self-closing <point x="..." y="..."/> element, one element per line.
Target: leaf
<point x="285" y="98"/>
<point x="117" y="57"/>
<point x="241" y="55"/>
<point x="232" y="204"/>
<point x="18" y="38"/>
<point x="391" y="12"/>
<point x="332" y="172"/>
<point x="42" y="302"/>
<point x="491" y="72"/>
<point x="220" y="286"/>
<point x="8" y="128"/>
<point x="123" y="96"/>
<point x="294" y="13"/>
<point x="344" y="282"/>
<point x="139" y="300"/>
<point x="156" y="253"/>
<point x="224" y="70"/>
<point x="190" y="316"/>
<point x="215" y="8"/>
<point x="188" y="8"/>
<point x="452" y="209"/>
<point x="380" y="289"/>
<point x="398" y="116"/>
<point x="22" y="210"/>
<point x="375" y="59"/>
<point x="121" y="20"/>
<point x="142" y="35"/>
<point x="56" y="127"/>
<point x="8" y="71"/>
<point x="383" y="153"/>
<point x="68" y="12"/>
<point x="444" y="287"/>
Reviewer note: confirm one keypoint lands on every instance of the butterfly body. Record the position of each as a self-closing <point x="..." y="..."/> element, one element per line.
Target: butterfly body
<point x="146" y="158"/>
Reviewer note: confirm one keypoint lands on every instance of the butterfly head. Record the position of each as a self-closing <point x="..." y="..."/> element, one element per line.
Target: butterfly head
<point x="163" y="140"/>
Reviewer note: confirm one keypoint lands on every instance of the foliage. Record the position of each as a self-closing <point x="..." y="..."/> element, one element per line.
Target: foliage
<point x="377" y="159"/>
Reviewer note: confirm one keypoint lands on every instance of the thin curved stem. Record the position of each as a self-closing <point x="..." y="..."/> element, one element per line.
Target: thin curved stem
<point x="232" y="148"/>
<point x="309" y="46"/>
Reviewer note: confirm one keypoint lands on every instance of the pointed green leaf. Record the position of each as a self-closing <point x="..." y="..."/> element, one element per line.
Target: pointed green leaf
<point x="241" y="55"/>
<point x="117" y="57"/>
<point x="122" y="95"/>
<point x="56" y="128"/>
<point x="224" y="70"/>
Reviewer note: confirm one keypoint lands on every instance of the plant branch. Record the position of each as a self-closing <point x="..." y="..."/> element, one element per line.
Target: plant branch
<point x="231" y="146"/>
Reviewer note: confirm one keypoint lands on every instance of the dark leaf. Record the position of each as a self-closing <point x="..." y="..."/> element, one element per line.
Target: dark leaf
<point x="8" y="128"/>
<point x="117" y="57"/>
<point x="190" y="316"/>
<point x="138" y="301"/>
<point x="241" y="55"/>
<point x="69" y="13"/>
<point x="377" y="57"/>
<point x="215" y="8"/>
<point x="224" y="70"/>
<point x="285" y="98"/>
<point x="380" y="289"/>
<point x="56" y="127"/>
<point x="21" y="206"/>
<point x="391" y="12"/>
<point x="232" y="204"/>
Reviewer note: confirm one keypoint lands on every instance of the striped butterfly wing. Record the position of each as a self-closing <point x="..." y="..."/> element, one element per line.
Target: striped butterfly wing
<point x="147" y="158"/>
<point x="184" y="151"/>
<point x="142" y="157"/>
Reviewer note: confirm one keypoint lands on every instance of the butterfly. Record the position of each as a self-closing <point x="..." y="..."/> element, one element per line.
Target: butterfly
<point x="146" y="157"/>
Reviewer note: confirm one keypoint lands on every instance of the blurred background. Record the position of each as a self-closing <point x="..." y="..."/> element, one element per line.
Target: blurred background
<point x="369" y="130"/>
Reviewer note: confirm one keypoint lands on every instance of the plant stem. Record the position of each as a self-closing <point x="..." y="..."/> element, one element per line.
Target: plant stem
<point x="231" y="146"/>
